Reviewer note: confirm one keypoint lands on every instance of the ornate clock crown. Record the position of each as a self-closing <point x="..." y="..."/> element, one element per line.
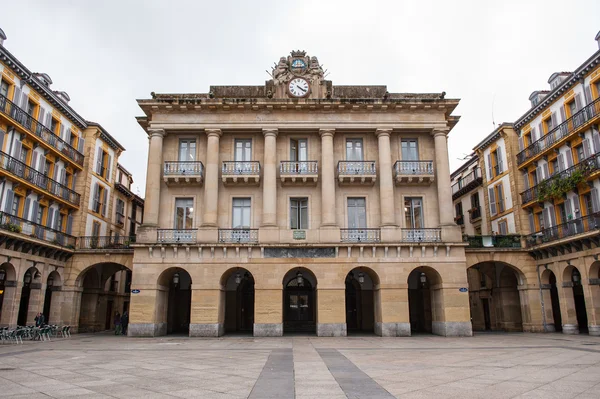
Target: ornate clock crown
<point x="298" y="53"/>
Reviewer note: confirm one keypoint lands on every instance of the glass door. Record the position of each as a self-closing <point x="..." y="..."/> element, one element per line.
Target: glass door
<point x="243" y="155"/>
<point x="357" y="219"/>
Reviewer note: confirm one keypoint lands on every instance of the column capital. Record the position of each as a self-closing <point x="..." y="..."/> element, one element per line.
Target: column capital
<point x="270" y="132"/>
<point x="156" y="132"/>
<point x="213" y="132"/>
<point x="327" y="132"/>
<point x="383" y="132"/>
<point x="440" y="131"/>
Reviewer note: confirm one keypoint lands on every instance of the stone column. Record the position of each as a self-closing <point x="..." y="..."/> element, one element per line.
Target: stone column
<point x="444" y="189"/>
<point x="395" y="315"/>
<point x="10" y="304"/>
<point x="386" y="183"/>
<point x="567" y="308"/>
<point x="153" y="177"/>
<point x="268" y="312"/>
<point x="269" y="215"/>
<point x="211" y="179"/>
<point x="327" y="179"/>
<point x="207" y="315"/>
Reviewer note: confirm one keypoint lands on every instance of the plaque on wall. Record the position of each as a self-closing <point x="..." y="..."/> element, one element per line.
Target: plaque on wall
<point x="299" y="234"/>
<point x="327" y="252"/>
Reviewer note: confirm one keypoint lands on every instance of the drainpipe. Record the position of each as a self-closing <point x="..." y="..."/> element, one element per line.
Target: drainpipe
<point x="545" y="324"/>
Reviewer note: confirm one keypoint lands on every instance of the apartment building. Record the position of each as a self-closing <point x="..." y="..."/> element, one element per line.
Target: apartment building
<point x="468" y="197"/>
<point x="66" y="223"/>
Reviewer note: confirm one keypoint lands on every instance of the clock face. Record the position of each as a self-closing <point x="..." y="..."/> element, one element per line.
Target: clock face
<point x="298" y="87"/>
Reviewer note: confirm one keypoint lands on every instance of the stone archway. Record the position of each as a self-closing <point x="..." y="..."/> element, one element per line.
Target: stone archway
<point x="495" y="297"/>
<point x="362" y="297"/>
<point x="424" y="299"/>
<point x="237" y="292"/>
<point x="551" y="301"/>
<point x="30" y="297"/>
<point x="576" y="320"/>
<point x="174" y="301"/>
<point x="299" y="301"/>
<point x="8" y="288"/>
<point x="594" y="303"/>
<point x="51" y="309"/>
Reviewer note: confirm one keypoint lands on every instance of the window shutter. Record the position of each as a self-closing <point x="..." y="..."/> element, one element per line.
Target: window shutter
<point x="42" y="164"/>
<point x="56" y="220"/>
<point x="55" y="172"/>
<point x="68" y="135"/>
<point x="503" y="228"/>
<point x="99" y="160"/>
<point x="17" y="149"/>
<point x="595" y="200"/>
<point x="521" y="144"/>
<point x="492" y="201"/>
<point x="596" y="140"/>
<point x="552" y="215"/>
<point x="561" y="162"/>
<point x="10" y="196"/>
<point x="26" y="208"/>
<point x="41" y="115"/>
<point x="96" y="197"/>
<point x="554" y="120"/>
<point x="34" y="160"/>
<point x="49" y="218"/>
<point x="569" y="157"/>
<point x="500" y="197"/>
<point x="2" y="134"/>
<point x="63" y="177"/>
<point x="104" y="202"/>
<point x="588" y="95"/>
<point x="546" y="171"/>
<point x="563" y="116"/>
<point x="541" y="130"/>
<point x="490" y="167"/>
<point x="62" y="132"/>
<point x="546" y="216"/>
<point x="531" y="223"/>
<point x="73" y="181"/>
<point x="568" y="209"/>
<point x="587" y="149"/>
<point x="526" y="180"/>
<point x="108" y="164"/>
<point x="80" y="144"/>
<point x="69" y="224"/>
<point x="538" y="174"/>
<point x="34" y="211"/>
<point x="578" y="102"/>
<point x="17" y="96"/>
<point x="499" y="157"/>
<point x="49" y="120"/>
<point x="533" y="135"/>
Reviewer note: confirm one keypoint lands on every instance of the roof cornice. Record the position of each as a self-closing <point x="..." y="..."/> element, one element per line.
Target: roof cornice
<point x="104" y="135"/>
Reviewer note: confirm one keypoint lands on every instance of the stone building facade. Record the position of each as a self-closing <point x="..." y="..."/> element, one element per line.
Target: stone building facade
<point x="66" y="223"/>
<point x="298" y="205"/>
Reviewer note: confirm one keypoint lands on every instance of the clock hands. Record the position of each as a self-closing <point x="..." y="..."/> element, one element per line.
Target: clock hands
<point x="298" y="87"/>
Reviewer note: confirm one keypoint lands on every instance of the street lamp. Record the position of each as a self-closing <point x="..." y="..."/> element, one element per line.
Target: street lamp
<point x="2" y="274"/>
<point x="27" y="278"/>
<point x="176" y="279"/>
<point x="50" y="281"/>
<point x="423" y="279"/>
<point x="299" y="278"/>
<point x="576" y="276"/>
<point x="361" y="277"/>
<point x="37" y="275"/>
<point x="238" y="278"/>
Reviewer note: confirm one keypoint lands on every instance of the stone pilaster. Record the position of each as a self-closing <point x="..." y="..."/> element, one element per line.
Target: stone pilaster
<point x="328" y="179"/>
<point x="268" y="312"/>
<point x="444" y="190"/>
<point x="269" y="215"/>
<point x="386" y="183"/>
<point x="211" y="179"/>
<point x="153" y="177"/>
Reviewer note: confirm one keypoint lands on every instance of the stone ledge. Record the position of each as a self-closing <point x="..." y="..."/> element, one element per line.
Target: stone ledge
<point x="207" y="330"/>
<point x="452" y="328"/>
<point x="268" y="329"/>
<point x="331" y="330"/>
<point x="392" y="329"/>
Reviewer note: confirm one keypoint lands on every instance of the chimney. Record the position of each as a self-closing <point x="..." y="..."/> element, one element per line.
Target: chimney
<point x="3" y="37"/>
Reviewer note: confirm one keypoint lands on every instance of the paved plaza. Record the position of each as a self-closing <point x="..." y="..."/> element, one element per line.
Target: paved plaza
<point x="485" y="366"/>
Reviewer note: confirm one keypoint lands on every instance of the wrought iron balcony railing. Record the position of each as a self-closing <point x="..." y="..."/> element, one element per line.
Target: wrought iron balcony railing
<point x="298" y="168"/>
<point x="460" y="220"/>
<point x="193" y="168"/>
<point x="561" y="131"/>
<point x="360" y="235"/>
<point x="497" y="241"/>
<point x="43" y="182"/>
<point x="587" y="166"/>
<point x="346" y="168"/>
<point x="467" y="183"/>
<point x="570" y="228"/>
<point x="475" y="213"/>
<point x="176" y="236"/>
<point x="10" y="109"/>
<point x="241" y="168"/>
<point x="422" y="235"/>
<point x="239" y="235"/>
<point x="103" y="242"/>
<point x="16" y="224"/>
<point x="413" y="168"/>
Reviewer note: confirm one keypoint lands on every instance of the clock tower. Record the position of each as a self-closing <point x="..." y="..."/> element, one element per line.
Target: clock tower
<point x="299" y="76"/>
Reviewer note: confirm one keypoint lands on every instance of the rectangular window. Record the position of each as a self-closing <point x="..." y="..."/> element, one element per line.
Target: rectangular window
<point x="298" y="150"/>
<point x="95" y="229"/>
<point x="554" y="164"/>
<point x="299" y="213"/>
<point x="30" y="108"/>
<point x="14" y="210"/>
<point x="4" y="88"/>
<point x="241" y="213"/>
<point x="562" y="211"/>
<point x="54" y="126"/>
<point x="475" y="200"/>
<point x="120" y="213"/>
<point x="184" y="213"/>
<point x="24" y="154"/>
<point x="580" y="153"/>
<point x="503" y="227"/>
<point x="357" y="213"/>
<point x="459" y="209"/>
<point x="500" y="197"/>
<point x="354" y="150"/>
<point x="243" y="150"/>
<point x="539" y="218"/>
<point x="40" y="214"/>
<point x="187" y="150"/>
<point x="548" y="124"/>
<point x="413" y="212"/>
<point x="588" y="204"/>
<point x="72" y="139"/>
<point x="410" y="150"/>
<point x="572" y="106"/>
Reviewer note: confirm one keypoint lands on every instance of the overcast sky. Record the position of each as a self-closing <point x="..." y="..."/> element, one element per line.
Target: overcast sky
<point x="491" y="55"/>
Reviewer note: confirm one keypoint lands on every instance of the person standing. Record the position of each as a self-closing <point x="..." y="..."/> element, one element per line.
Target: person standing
<point x="117" y="320"/>
<point x="124" y="322"/>
<point x="38" y="320"/>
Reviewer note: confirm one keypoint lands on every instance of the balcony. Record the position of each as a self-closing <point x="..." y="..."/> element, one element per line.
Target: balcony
<point x="105" y="243"/>
<point x="51" y="140"/>
<point x="497" y="241"/>
<point x="187" y="172"/>
<point x="360" y="235"/>
<point x="422" y="235"/>
<point x="474" y="214"/>
<point x="234" y="172"/>
<point x="38" y="181"/>
<point x="543" y="190"/>
<point x="357" y="172"/>
<point x="467" y="183"/>
<point x="24" y="227"/>
<point x="556" y="135"/>
<point x="176" y="236"/>
<point x="299" y="172"/>
<point x="413" y="172"/>
<point x="570" y="229"/>
<point x="460" y="220"/>
<point x="238" y="236"/>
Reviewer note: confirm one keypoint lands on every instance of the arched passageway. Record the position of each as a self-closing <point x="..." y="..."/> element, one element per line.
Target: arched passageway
<point x="105" y="296"/>
<point x="7" y="290"/>
<point x="551" y="301"/>
<point x="53" y="285"/>
<point x="29" y="297"/>
<point x="423" y="297"/>
<point x="494" y="297"/>
<point x="175" y="299"/>
<point x="578" y="298"/>
<point x="299" y="301"/>
<point x="361" y="285"/>
<point x="238" y="288"/>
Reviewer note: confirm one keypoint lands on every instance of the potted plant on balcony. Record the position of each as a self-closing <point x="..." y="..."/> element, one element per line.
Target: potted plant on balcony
<point x="15" y="228"/>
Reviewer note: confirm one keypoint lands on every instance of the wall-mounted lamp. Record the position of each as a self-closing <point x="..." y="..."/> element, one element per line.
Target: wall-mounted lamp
<point x="361" y="277"/>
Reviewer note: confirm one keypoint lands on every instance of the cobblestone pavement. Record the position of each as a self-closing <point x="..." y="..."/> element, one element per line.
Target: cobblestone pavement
<point x="485" y="366"/>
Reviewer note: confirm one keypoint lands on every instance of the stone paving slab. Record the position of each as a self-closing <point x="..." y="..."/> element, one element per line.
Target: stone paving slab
<point x="486" y="366"/>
